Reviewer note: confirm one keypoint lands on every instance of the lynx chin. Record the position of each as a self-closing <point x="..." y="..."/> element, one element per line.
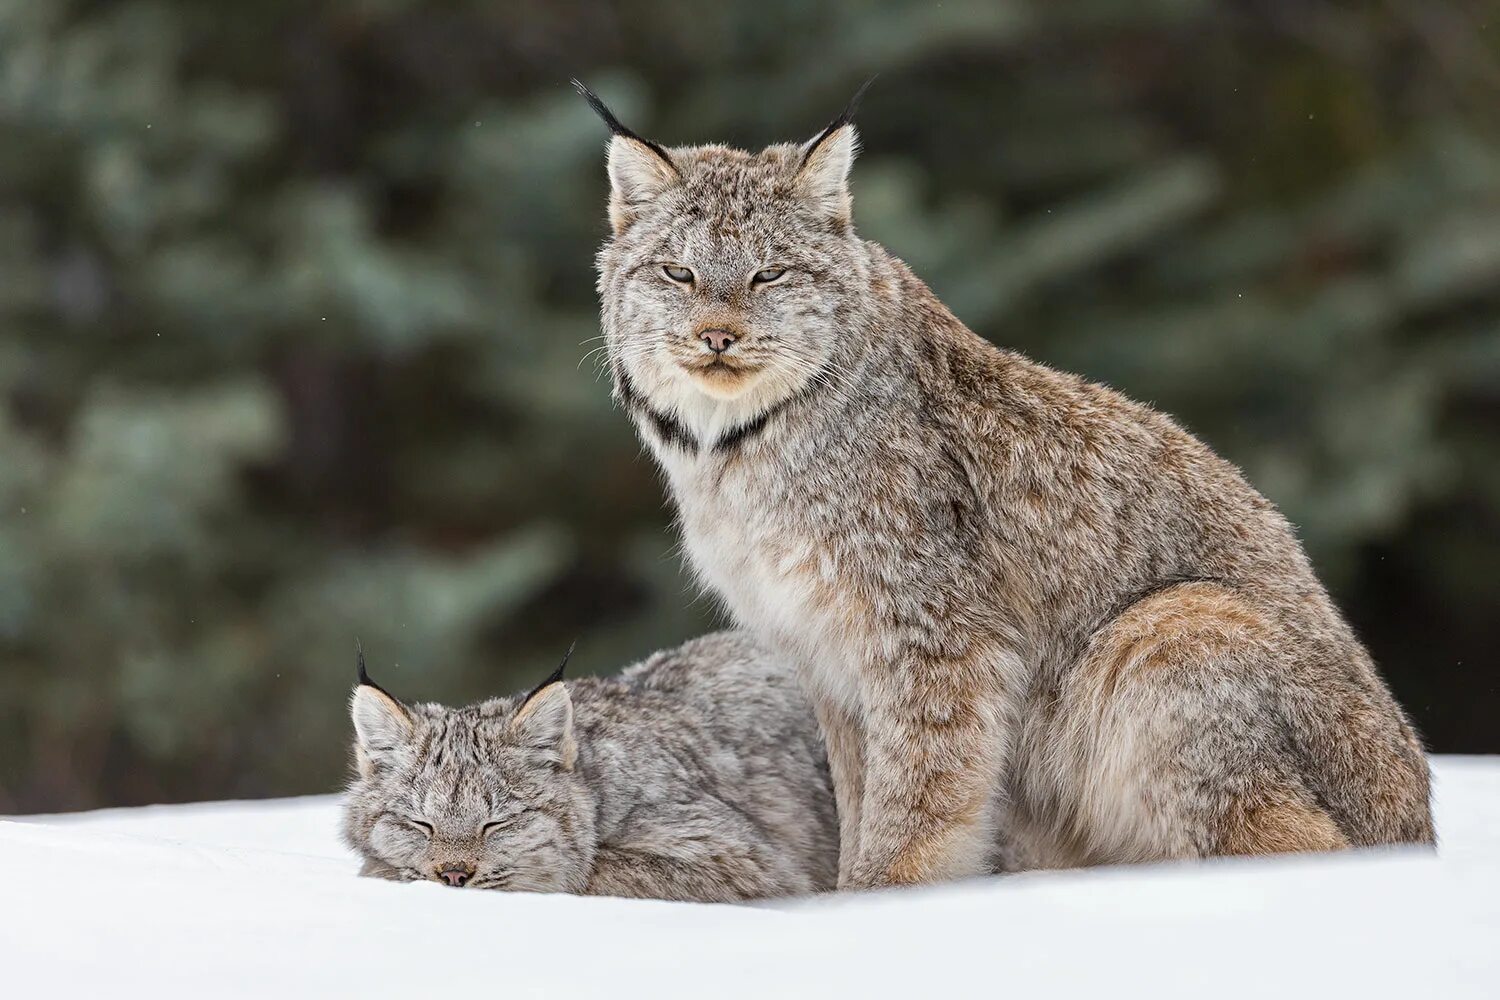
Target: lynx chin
<point x="695" y="775"/>
<point x="1040" y="623"/>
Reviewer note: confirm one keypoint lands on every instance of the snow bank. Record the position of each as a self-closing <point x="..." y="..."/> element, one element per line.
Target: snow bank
<point x="259" y="898"/>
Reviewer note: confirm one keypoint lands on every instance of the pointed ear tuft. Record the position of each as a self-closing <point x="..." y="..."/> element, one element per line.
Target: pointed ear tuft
<point x="382" y="727"/>
<point x="823" y="175"/>
<point x="359" y="663"/>
<point x="545" y="722"/>
<point x="639" y="169"/>
<point x="556" y="675"/>
<point x="823" y="179"/>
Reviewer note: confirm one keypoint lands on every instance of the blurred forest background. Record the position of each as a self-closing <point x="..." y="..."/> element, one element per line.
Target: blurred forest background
<point x="294" y="296"/>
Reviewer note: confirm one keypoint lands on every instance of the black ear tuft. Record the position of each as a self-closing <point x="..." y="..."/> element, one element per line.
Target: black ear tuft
<point x="602" y="110"/>
<point x="556" y="675"/>
<point x="613" y="123"/>
<point x="846" y="117"/>
<point x="364" y="676"/>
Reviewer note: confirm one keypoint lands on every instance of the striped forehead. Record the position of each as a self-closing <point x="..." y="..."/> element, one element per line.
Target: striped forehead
<point x="728" y="191"/>
<point x="455" y="748"/>
<point x="734" y="233"/>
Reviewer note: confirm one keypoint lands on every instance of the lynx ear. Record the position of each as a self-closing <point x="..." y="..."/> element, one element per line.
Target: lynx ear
<point x="823" y="175"/>
<point x="637" y="174"/>
<point x="382" y="726"/>
<point x="639" y="169"/>
<point x="545" y="719"/>
<point x="823" y="178"/>
<point x="545" y="722"/>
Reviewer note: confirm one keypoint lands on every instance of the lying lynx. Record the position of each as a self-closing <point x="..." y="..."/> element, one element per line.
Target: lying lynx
<point x="695" y="775"/>
<point x="1020" y="602"/>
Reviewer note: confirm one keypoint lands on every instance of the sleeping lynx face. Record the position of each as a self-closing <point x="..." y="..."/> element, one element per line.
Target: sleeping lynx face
<point x="727" y="274"/>
<point x="484" y="796"/>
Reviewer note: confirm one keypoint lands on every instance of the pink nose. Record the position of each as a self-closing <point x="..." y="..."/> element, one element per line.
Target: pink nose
<point x="456" y="875"/>
<point x="718" y="341"/>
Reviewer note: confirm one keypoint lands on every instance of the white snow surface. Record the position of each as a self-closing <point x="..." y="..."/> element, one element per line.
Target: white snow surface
<point x="261" y="899"/>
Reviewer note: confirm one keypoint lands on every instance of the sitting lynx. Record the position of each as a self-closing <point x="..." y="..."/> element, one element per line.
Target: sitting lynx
<point x="695" y="775"/>
<point x="1019" y="601"/>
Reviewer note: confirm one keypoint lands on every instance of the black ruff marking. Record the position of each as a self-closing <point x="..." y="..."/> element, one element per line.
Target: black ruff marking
<point x="747" y="431"/>
<point x="668" y="430"/>
<point x="744" y="432"/>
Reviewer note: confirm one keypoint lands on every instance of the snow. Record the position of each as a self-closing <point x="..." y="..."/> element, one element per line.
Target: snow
<point x="259" y="899"/>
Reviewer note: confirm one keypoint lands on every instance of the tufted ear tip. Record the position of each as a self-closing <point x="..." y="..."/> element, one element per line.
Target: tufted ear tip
<point x="545" y="722"/>
<point x="823" y="173"/>
<point x="556" y="675"/>
<point x="823" y="180"/>
<point x="382" y="725"/>
<point x="639" y="169"/>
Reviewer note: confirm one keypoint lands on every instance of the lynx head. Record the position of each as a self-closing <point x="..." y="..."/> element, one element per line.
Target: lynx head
<point x="730" y="276"/>
<point x="485" y="796"/>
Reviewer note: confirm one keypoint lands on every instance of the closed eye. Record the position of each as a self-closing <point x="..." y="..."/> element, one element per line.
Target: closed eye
<point x="420" y="825"/>
<point x="768" y="276"/>
<point x="496" y="825"/>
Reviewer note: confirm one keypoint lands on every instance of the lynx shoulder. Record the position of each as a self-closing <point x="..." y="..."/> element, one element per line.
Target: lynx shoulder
<point x="1018" y="600"/>
<point x="697" y="774"/>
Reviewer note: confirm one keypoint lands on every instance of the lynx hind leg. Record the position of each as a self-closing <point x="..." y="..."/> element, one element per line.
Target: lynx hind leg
<point x="1168" y="742"/>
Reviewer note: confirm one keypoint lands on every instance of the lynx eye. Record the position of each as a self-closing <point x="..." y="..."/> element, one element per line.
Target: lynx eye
<point x="768" y="275"/>
<point x="420" y="825"/>
<point x="677" y="273"/>
<point x="494" y="826"/>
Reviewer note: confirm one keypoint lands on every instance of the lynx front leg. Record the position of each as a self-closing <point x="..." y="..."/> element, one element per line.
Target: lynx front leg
<point x="845" y="745"/>
<point x="701" y="851"/>
<point x="640" y="874"/>
<point x="936" y="743"/>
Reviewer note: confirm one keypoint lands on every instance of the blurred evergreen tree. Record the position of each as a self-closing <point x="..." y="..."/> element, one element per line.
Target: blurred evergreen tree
<point x="295" y="301"/>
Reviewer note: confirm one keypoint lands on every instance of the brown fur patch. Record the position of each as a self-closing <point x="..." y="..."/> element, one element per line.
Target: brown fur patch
<point x="1189" y="623"/>
<point x="1286" y="827"/>
<point x="929" y="858"/>
<point x="915" y="865"/>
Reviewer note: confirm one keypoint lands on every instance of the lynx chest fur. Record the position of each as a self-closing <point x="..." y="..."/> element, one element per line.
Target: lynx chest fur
<point x="766" y="553"/>
<point x="768" y="526"/>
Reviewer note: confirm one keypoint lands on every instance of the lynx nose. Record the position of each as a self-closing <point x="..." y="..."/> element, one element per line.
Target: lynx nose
<point x="718" y="341"/>
<point x="456" y="875"/>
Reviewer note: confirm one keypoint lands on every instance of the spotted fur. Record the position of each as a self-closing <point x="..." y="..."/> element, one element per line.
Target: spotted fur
<point x="695" y="775"/>
<point x="1040" y="622"/>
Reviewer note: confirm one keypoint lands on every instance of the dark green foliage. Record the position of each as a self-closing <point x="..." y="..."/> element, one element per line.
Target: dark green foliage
<point x="296" y="299"/>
